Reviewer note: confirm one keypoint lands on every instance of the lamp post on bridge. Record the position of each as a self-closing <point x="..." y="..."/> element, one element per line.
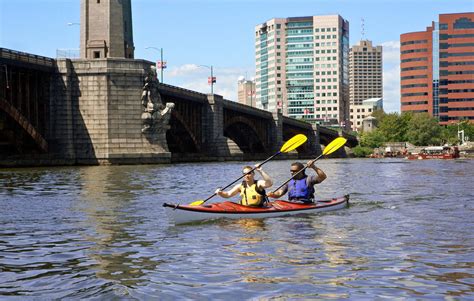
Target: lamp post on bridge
<point x="210" y="80"/>
<point x="160" y="64"/>
<point x="70" y="52"/>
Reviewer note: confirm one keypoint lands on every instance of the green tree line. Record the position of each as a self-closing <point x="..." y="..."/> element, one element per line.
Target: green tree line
<point x="416" y="128"/>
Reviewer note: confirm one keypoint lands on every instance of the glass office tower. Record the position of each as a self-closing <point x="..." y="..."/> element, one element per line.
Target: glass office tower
<point x="302" y="68"/>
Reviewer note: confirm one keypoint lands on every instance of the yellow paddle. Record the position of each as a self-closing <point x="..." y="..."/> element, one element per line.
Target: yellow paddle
<point x="329" y="149"/>
<point x="290" y="145"/>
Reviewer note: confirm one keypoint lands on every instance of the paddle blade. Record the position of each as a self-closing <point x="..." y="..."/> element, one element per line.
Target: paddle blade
<point x="293" y="143"/>
<point x="197" y="203"/>
<point x="334" y="145"/>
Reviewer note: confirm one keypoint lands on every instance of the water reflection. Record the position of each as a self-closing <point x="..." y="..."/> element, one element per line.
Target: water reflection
<point x="251" y="226"/>
<point x="107" y="198"/>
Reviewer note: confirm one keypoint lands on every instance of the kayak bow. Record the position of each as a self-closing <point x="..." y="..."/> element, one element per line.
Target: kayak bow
<point x="186" y="213"/>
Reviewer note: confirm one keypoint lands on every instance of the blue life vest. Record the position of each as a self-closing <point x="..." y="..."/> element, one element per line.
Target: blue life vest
<point x="300" y="189"/>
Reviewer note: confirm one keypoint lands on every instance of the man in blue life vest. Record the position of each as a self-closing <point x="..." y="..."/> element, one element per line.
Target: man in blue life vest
<point x="301" y="188"/>
<point x="252" y="192"/>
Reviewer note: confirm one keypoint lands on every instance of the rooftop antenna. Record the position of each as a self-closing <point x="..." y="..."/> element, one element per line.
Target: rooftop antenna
<point x="362" y="28"/>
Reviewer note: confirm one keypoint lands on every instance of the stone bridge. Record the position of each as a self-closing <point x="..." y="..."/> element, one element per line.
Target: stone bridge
<point x="204" y="123"/>
<point x="212" y="126"/>
<point x="88" y="112"/>
<point x="24" y="102"/>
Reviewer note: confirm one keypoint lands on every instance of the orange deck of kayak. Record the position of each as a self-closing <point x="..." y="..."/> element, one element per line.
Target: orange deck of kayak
<point x="275" y="206"/>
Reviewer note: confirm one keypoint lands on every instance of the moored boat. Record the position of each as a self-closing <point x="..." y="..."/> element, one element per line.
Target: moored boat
<point x="435" y="152"/>
<point x="186" y="213"/>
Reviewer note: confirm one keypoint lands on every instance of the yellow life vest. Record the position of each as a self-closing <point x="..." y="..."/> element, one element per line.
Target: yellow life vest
<point x="251" y="196"/>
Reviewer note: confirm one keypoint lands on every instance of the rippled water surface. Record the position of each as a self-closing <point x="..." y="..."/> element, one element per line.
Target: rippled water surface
<point x="101" y="232"/>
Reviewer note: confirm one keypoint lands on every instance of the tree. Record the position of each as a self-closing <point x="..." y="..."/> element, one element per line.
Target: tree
<point x="449" y="134"/>
<point x="379" y="116"/>
<point x="394" y="126"/>
<point x="468" y="129"/>
<point x="361" y="151"/>
<point x="423" y="130"/>
<point x="372" y="139"/>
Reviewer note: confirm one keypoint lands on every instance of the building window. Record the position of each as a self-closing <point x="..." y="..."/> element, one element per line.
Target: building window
<point x="98" y="1"/>
<point x="97" y="53"/>
<point x="463" y="23"/>
<point x="443" y="26"/>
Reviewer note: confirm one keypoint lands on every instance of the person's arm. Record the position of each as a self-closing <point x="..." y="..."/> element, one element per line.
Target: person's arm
<point x="227" y="194"/>
<point x="280" y="192"/>
<point x="321" y="175"/>
<point x="267" y="181"/>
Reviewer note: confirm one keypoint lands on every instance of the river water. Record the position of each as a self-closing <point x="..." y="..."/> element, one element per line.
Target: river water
<point x="101" y="232"/>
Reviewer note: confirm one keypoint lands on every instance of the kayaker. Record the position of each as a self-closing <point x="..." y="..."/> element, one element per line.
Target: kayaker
<point x="252" y="192"/>
<point x="301" y="188"/>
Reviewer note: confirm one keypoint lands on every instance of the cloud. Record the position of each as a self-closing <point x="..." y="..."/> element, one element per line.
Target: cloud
<point x="182" y="70"/>
<point x="391" y="76"/>
<point x="194" y="77"/>
<point x="391" y="52"/>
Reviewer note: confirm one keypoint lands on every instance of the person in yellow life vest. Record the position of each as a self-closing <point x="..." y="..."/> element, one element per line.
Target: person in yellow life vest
<point x="252" y="192"/>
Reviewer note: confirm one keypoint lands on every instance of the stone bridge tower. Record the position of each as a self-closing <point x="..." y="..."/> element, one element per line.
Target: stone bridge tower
<point x="106" y="29"/>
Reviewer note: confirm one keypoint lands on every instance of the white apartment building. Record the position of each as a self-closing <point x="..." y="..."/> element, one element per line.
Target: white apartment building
<point x="359" y="112"/>
<point x="302" y="68"/>
<point x="365" y="72"/>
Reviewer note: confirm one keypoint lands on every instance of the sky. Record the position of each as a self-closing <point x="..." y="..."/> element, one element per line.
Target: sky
<point x="220" y="33"/>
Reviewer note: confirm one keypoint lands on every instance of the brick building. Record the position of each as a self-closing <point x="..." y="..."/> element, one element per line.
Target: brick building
<point x="437" y="69"/>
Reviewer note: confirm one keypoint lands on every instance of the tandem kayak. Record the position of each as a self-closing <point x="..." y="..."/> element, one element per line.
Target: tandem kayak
<point x="186" y="213"/>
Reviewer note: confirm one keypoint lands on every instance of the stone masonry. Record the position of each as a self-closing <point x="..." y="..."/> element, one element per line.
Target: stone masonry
<point x="97" y="113"/>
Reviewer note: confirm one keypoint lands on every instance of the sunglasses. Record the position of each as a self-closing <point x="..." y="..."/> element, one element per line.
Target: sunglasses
<point x="294" y="171"/>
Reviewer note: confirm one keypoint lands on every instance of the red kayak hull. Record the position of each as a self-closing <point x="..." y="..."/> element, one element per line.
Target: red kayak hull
<point x="187" y="213"/>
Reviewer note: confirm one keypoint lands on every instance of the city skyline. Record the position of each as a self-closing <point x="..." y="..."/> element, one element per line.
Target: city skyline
<point x="210" y="32"/>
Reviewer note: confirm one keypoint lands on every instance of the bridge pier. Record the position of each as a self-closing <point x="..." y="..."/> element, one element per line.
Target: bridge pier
<point x="216" y="144"/>
<point x="97" y="113"/>
<point x="277" y="132"/>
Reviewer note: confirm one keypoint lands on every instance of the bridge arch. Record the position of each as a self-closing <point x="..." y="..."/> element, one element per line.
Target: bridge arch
<point x="245" y="134"/>
<point x="289" y="132"/>
<point x="180" y="137"/>
<point x="24" y="124"/>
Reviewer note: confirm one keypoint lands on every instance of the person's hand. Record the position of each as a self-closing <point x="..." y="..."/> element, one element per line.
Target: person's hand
<point x="218" y="191"/>
<point x="311" y="164"/>
<point x="272" y="195"/>
<point x="258" y="167"/>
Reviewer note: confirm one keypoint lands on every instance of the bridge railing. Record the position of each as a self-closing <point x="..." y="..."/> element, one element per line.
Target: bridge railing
<point x="26" y="57"/>
<point x="68" y="53"/>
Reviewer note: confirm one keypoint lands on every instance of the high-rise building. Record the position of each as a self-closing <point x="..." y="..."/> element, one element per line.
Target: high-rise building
<point x="365" y="80"/>
<point x="437" y="69"/>
<point x="302" y="68"/>
<point x="365" y="72"/>
<point x="106" y="29"/>
<point x="246" y="92"/>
